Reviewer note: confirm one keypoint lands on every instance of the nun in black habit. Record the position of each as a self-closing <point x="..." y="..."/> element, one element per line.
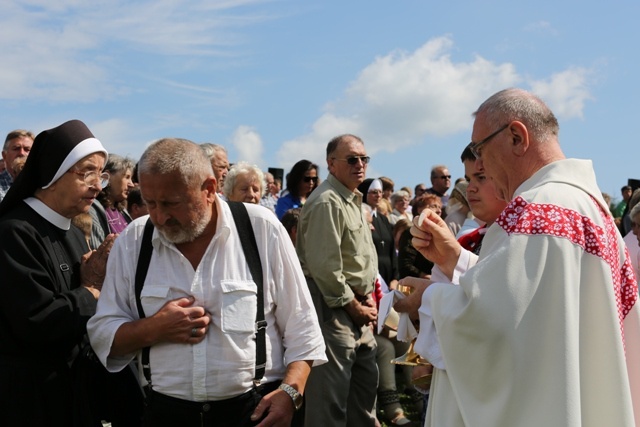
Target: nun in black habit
<point x="49" y="279"/>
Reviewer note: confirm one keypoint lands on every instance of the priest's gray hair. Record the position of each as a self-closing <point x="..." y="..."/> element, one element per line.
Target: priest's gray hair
<point x="170" y="155"/>
<point x="518" y="104"/>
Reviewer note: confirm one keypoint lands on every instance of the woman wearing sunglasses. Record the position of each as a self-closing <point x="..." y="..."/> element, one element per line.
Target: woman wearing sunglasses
<point x="301" y="181"/>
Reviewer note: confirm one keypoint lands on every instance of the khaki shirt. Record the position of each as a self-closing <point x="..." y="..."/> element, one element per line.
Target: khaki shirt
<point x="334" y="243"/>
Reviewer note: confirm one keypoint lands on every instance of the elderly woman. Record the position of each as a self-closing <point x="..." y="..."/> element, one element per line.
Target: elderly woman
<point x="301" y="181"/>
<point x="400" y="203"/>
<point x="244" y="183"/>
<point x="109" y="209"/>
<point x="50" y="283"/>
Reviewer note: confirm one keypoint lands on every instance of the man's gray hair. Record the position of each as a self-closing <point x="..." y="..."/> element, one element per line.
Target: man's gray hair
<point x="211" y="149"/>
<point x="518" y="104"/>
<point x="170" y="155"/>
<point x="18" y="133"/>
<point x="243" y="168"/>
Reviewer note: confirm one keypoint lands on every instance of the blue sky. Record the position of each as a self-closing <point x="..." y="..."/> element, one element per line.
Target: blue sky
<point x="273" y="81"/>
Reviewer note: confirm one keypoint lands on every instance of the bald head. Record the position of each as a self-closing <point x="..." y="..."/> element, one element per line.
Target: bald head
<point x="517" y="104"/>
<point x="514" y="134"/>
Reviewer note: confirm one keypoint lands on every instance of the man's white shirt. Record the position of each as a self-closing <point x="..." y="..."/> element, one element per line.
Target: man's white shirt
<point x="223" y="365"/>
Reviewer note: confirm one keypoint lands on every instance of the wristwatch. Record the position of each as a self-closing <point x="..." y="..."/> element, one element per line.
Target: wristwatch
<point x="293" y="394"/>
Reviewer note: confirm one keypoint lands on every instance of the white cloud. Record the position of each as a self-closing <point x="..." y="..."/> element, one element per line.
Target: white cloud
<point x="62" y="51"/>
<point x="402" y="98"/>
<point x="565" y="92"/>
<point x="249" y="145"/>
<point x="118" y="136"/>
<point x="408" y="98"/>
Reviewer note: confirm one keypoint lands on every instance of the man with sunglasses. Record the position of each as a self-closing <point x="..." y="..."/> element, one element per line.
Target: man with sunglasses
<point x="543" y="328"/>
<point x="339" y="261"/>
<point x="440" y="184"/>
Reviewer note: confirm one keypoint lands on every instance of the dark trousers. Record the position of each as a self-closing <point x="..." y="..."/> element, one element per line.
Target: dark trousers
<point x="166" y="411"/>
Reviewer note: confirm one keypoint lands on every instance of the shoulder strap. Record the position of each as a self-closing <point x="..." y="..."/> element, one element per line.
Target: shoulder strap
<point x="141" y="273"/>
<point x="250" y="249"/>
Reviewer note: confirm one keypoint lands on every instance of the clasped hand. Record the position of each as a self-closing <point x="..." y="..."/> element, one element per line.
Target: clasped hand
<point x="93" y="265"/>
<point x="180" y="321"/>
<point x="362" y="313"/>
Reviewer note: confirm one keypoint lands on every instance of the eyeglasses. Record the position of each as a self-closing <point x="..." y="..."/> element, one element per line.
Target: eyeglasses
<point x="444" y="177"/>
<point x="474" y="146"/>
<point x="92" y="178"/>
<point x="310" y="178"/>
<point x="353" y="160"/>
<point x="375" y="191"/>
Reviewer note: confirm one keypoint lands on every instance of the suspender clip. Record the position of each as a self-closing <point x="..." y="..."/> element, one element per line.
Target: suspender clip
<point x="261" y="324"/>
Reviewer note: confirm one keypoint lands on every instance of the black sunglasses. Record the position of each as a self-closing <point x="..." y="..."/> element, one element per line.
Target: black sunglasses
<point x="310" y="178"/>
<point x="353" y="160"/>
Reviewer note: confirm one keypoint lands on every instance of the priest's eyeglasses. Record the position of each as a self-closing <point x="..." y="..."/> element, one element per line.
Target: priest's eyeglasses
<point x="474" y="146"/>
<point x="93" y="178"/>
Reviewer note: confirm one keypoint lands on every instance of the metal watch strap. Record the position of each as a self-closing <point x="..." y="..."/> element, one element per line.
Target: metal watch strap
<point x="295" y="396"/>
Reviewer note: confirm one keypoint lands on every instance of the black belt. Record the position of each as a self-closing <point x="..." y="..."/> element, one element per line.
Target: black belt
<point x="208" y="406"/>
<point x="163" y="410"/>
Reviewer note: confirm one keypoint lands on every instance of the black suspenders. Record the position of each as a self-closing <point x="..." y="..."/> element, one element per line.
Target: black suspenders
<point x="250" y="249"/>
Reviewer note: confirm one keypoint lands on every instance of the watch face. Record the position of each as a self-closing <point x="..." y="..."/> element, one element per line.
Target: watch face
<point x="297" y="402"/>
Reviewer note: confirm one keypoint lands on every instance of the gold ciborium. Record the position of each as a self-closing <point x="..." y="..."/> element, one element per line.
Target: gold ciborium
<point x="410" y="358"/>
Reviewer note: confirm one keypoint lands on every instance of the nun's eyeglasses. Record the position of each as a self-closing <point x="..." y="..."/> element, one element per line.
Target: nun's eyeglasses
<point x="93" y="178"/>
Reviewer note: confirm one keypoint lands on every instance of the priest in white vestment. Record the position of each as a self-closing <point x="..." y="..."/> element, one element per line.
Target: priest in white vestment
<point x="543" y="328"/>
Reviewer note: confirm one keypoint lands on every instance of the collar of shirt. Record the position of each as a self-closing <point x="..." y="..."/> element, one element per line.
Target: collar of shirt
<point x="343" y="191"/>
<point x="49" y="214"/>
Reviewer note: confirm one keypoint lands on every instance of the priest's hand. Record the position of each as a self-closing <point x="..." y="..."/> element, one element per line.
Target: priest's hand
<point x="433" y="239"/>
<point x="93" y="266"/>
<point x="412" y="302"/>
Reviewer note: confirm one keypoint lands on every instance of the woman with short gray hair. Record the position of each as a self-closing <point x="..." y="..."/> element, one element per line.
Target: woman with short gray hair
<point x="244" y="183"/>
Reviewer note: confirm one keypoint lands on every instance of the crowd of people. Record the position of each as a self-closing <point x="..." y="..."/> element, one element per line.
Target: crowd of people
<point x="178" y="289"/>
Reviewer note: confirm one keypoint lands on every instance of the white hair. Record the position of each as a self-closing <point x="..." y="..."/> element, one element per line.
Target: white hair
<point x="243" y="168"/>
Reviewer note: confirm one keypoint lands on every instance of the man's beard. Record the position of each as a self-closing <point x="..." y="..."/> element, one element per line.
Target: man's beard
<point x="188" y="233"/>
